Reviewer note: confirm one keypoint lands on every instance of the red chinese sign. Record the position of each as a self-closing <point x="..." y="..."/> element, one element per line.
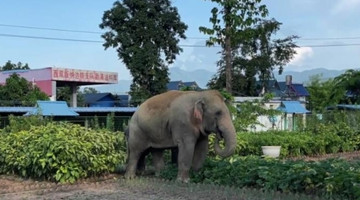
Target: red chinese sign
<point x="63" y="74"/>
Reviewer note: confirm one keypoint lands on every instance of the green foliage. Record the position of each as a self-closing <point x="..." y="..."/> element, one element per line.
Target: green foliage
<point x="18" y="91"/>
<point x="90" y="90"/>
<point x="62" y="152"/>
<point x="330" y="178"/>
<point x="12" y="66"/>
<point x="323" y="93"/>
<point x="293" y="144"/>
<point x="146" y="35"/>
<point x="249" y="50"/>
<point x="350" y="82"/>
<point x="64" y="94"/>
<point x="20" y="123"/>
<point x="247" y="113"/>
<point x="318" y="138"/>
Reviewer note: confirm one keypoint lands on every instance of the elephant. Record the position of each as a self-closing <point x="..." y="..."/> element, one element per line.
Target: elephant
<point x="182" y="119"/>
<point x="157" y="154"/>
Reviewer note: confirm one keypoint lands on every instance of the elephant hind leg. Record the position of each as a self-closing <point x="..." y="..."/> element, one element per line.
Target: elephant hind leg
<point x="136" y="158"/>
<point x="158" y="160"/>
<point x="141" y="163"/>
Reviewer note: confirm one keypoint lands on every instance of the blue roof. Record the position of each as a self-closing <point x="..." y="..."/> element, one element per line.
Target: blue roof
<point x="52" y="108"/>
<point x="15" y="109"/>
<point x="174" y="85"/>
<point x="282" y="86"/>
<point x="93" y="98"/>
<point x="300" y="90"/>
<point x="292" y="107"/>
<point x="344" y="107"/>
<point x="124" y="100"/>
<point x="104" y="109"/>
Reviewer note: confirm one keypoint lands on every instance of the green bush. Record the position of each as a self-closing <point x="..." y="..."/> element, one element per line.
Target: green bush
<point x="62" y="152"/>
<point x="294" y="144"/>
<point x="19" y="123"/>
<point x="330" y="178"/>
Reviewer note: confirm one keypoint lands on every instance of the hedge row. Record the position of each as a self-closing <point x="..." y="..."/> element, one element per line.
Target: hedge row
<point x="324" y="139"/>
<point x="330" y="178"/>
<point x="62" y="152"/>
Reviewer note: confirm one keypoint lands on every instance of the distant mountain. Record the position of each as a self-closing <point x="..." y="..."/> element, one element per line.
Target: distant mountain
<point x="304" y="76"/>
<point x="202" y="77"/>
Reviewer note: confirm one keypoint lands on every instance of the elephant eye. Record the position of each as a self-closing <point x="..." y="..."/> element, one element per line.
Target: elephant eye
<point x="218" y="113"/>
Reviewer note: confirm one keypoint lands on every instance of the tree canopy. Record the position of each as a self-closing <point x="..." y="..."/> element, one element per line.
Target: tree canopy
<point x="145" y="34"/>
<point x="350" y="83"/>
<point x="12" y="66"/>
<point x="17" y="91"/>
<point x="323" y="93"/>
<point x="249" y="49"/>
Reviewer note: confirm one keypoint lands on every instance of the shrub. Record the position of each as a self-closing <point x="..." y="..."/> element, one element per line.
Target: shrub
<point x="333" y="178"/>
<point x="19" y="123"/>
<point x="62" y="152"/>
<point x="293" y="144"/>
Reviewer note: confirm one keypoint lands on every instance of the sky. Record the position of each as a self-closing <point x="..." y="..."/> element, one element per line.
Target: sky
<point x="329" y="33"/>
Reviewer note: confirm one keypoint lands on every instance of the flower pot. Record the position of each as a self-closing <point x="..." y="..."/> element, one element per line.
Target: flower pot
<point x="271" y="151"/>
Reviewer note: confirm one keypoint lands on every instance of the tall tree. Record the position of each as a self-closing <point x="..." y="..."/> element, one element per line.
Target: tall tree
<point x="349" y="82"/>
<point x="12" y="66"/>
<point x="323" y="93"/>
<point x="18" y="91"/>
<point x="256" y="55"/>
<point x="64" y="94"/>
<point x="233" y="17"/>
<point x="90" y="90"/>
<point x="145" y="34"/>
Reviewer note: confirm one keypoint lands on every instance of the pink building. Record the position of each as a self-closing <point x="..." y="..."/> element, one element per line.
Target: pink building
<point x="48" y="79"/>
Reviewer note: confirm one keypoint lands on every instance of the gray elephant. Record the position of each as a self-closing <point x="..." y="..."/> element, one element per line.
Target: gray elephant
<point x="182" y="119"/>
<point x="157" y="154"/>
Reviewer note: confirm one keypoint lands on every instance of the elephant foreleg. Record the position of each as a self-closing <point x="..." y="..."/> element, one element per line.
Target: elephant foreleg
<point x="200" y="152"/>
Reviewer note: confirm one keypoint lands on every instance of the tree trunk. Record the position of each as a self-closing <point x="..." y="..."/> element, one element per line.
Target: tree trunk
<point x="228" y="59"/>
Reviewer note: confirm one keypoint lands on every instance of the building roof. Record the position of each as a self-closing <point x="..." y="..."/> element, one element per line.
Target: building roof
<point x="104" y="109"/>
<point x="300" y="90"/>
<point x="292" y="107"/>
<point x="344" y="107"/>
<point x="177" y="85"/>
<point x="296" y="89"/>
<point x="95" y="97"/>
<point x="57" y="108"/>
<point x="124" y="100"/>
<point x="15" y="109"/>
<point x="52" y="108"/>
<point x="174" y="85"/>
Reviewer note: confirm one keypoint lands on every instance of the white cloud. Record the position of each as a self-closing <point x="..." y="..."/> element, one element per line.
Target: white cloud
<point x="345" y="5"/>
<point x="301" y="54"/>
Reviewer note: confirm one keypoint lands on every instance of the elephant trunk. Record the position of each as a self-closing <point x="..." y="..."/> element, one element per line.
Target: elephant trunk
<point x="229" y="134"/>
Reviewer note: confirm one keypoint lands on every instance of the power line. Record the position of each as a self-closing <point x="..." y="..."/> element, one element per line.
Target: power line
<point x="192" y="38"/>
<point x="181" y="45"/>
<point x="50" y="29"/>
<point x="48" y="38"/>
<point x="331" y="38"/>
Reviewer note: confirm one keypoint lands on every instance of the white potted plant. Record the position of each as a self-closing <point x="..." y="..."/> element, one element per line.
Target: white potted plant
<point x="271" y="151"/>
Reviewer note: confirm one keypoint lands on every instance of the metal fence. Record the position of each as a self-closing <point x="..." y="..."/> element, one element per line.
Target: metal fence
<point x="110" y="122"/>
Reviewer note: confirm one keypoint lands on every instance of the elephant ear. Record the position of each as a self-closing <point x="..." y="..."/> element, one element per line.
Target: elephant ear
<point x="198" y="110"/>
